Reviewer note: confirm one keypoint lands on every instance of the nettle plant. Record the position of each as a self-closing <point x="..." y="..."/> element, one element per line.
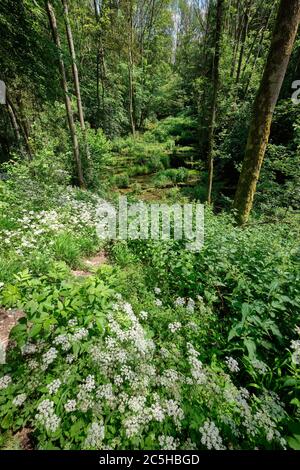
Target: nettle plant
<point x="89" y="370"/>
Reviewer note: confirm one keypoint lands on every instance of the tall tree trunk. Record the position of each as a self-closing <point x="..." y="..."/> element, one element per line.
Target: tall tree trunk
<point x="130" y="67"/>
<point x="70" y="117"/>
<point x="75" y="75"/>
<point x="237" y="36"/>
<point x="244" y="37"/>
<point x="216" y="79"/>
<point x="101" y="74"/>
<point x="283" y="39"/>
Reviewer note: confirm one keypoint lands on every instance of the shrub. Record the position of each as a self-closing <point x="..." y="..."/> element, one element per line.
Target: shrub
<point x="121" y="181"/>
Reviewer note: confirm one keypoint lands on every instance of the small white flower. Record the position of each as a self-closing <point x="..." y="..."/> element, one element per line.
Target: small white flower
<point x="46" y="416"/>
<point x="158" y="303"/>
<point x="168" y="443"/>
<point x="95" y="436"/>
<point x="190" y="306"/>
<point x="143" y="315"/>
<point x="179" y="302"/>
<point x="70" y="358"/>
<point x="81" y="333"/>
<point x="19" y="399"/>
<point x="89" y="383"/>
<point x="54" y="386"/>
<point x="70" y="406"/>
<point x="157" y="290"/>
<point x="173" y="327"/>
<point x="5" y="381"/>
<point x="232" y="364"/>
<point x="49" y="356"/>
<point x="211" y="438"/>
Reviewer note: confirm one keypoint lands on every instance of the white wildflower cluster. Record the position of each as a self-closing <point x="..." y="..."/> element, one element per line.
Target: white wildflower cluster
<point x="190" y="306"/>
<point x="168" y="443"/>
<point x="89" y="384"/>
<point x="295" y="346"/>
<point x="136" y="404"/>
<point x="105" y="392"/>
<point x="143" y="415"/>
<point x="211" y="438"/>
<point x="85" y="401"/>
<point x="95" y="436"/>
<point x="70" y="406"/>
<point x="5" y="381"/>
<point x="255" y="421"/>
<point x="63" y="341"/>
<point x="174" y="411"/>
<point x="179" y="302"/>
<point x="133" y="425"/>
<point x="170" y="378"/>
<point x="157" y="411"/>
<point x="73" y="322"/>
<point x="49" y="357"/>
<point x="80" y="334"/>
<point x="28" y="349"/>
<point x="70" y="358"/>
<point x="33" y="226"/>
<point x="158" y="303"/>
<point x="54" y="386"/>
<point x="37" y="226"/>
<point x="33" y="364"/>
<point x="157" y="290"/>
<point x="135" y="334"/>
<point x="46" y="416"/>
<point x="19" y="399"/>
<point x="182" y="302"/>
<point x="232" y="364"/>
<point x="143" y="315"/>
<point x="176" y="326"/>
<point x="197" y="371"/>
<point x="85" y="398"/>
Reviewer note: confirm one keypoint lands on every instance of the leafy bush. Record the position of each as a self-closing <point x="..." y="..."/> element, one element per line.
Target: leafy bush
<point x="121" y="181"/>
<point x="172" y="175"/>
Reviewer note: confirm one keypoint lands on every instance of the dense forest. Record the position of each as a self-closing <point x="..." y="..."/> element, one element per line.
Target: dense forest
<point x="143" y="344"/>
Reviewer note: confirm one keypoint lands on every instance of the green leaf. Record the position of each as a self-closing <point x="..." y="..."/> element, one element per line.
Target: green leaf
<point x="251" y="347"/>
<point x="294" y="442"/>
<point x="35" y="330"/>
<point x="76" y="427"/>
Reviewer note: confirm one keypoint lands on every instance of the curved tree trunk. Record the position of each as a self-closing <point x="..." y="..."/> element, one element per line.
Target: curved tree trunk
<point x="72" y="128"/>
<point x="281" y="47"/>
<point x="75" y="75"/>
